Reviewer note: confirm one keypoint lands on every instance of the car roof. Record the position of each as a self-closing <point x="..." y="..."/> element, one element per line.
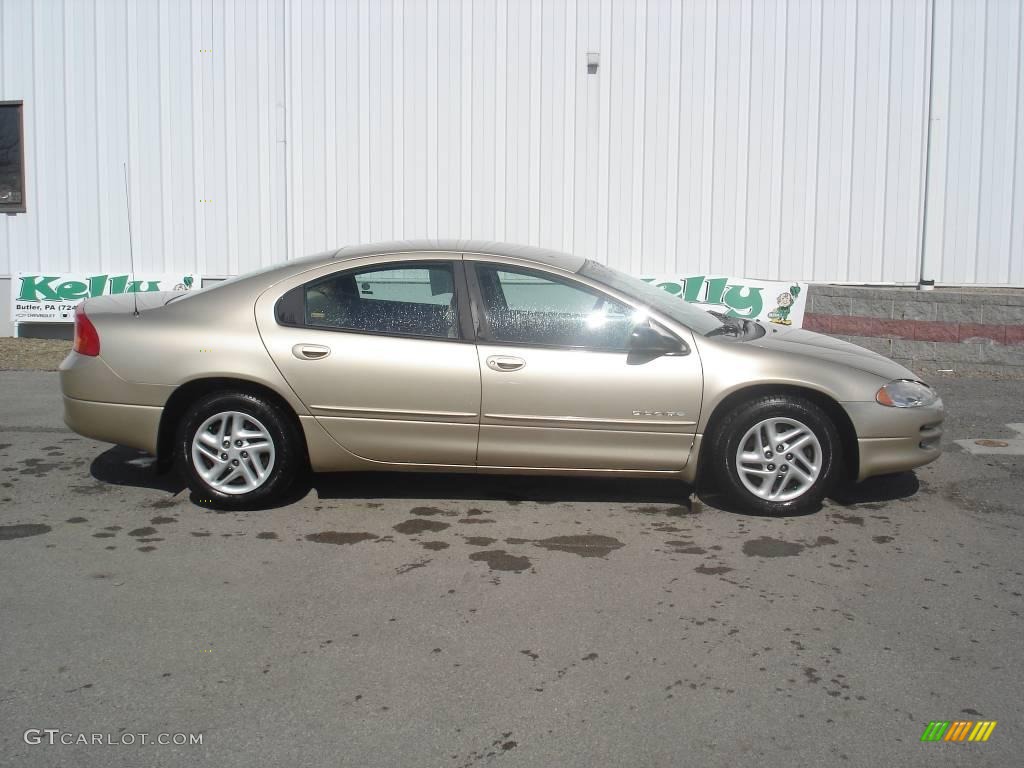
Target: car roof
<point x="544" y="256"/>
<point x="259" y="280"/>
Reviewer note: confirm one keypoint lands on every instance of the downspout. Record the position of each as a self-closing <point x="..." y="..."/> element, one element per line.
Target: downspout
<point x="923" y="283"/>
<point x="285" y="98"/>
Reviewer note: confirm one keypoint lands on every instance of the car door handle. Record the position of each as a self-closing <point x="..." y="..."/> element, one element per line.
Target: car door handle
<point x="310" y="351"/>
<point x="505" y="363"/>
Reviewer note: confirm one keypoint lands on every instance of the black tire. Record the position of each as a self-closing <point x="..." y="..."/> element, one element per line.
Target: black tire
<point x="288" y="450"/>
<point x="736" y="425"/>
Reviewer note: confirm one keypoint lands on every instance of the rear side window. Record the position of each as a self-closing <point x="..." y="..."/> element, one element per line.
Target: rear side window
<point x="401" y="300"/>
<point x="527" y="307"/>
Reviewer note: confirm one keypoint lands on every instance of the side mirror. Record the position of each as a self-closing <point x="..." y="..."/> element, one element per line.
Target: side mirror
<point x="647" y="341"/>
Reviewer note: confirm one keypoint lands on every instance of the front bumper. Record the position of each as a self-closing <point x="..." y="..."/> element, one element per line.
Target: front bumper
<point x="895" y="439"/>
<point x="885" y="455"/>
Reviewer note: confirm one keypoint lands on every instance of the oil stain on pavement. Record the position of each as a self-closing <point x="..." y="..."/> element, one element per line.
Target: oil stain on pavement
<point x="412" y="527"/>
<point x="500" y="560"/>
<point x="339" y="537"/>
<point x="712" y="570"/>
<point x="430" y="512"/>
<point x="587" y="545"/>
<point x="766" y="546"/>
<point x="8" y="532"/>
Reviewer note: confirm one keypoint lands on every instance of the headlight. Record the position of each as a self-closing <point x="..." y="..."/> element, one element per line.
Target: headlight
<point x="904" y="393"/>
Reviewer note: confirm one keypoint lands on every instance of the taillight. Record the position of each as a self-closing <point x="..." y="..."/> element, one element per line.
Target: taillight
<point x="87" y="341"/>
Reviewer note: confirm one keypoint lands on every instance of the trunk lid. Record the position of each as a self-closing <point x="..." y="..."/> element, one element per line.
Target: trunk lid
<point x="124" y="303"/>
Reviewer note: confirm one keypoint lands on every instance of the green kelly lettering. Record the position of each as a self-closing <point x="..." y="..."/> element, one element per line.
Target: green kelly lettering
<point x="673" y="288"/>
<point x="96" y="285"/>
<point x="693" y="288"/>
<point x="716" y="286"/>
<point x="153" y="285"/>
<point x="118" y="283"/>
<point x="72" y="289"/>
<point x="743" y="301"/>
<point x="37" y="287"/>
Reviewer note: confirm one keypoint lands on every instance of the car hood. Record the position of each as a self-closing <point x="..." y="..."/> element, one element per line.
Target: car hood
<point x="828" y="349"/>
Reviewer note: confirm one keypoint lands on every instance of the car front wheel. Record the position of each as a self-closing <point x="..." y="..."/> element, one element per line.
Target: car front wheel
<point x="237" y="450"/>
<point x="777" y="455"/>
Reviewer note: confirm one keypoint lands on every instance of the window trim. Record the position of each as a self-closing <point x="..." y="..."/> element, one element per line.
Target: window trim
<point x="485" y="334"/>
<point x="461" y="300"/>
<point x="15" y="208"/>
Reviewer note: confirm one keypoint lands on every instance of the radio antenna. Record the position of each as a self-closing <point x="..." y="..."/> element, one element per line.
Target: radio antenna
<point x="131" y="250"/>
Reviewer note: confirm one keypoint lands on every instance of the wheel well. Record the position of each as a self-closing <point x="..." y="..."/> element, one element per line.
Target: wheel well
<point x="191" y="391"/>
<point x="839" y="417"/>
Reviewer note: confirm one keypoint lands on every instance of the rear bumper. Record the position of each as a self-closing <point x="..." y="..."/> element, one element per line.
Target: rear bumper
<point x="88" y="385"/>
<point x="136" y="426"/>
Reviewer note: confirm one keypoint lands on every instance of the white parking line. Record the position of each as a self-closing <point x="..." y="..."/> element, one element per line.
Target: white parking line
<point x="995" y="446"/>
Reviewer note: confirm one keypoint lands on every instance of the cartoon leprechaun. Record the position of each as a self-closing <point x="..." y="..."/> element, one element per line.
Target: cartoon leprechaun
<point x="780" y="314"/>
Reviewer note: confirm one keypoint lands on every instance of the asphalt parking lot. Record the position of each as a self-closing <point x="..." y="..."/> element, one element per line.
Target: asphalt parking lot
<point x="410" y="620"/>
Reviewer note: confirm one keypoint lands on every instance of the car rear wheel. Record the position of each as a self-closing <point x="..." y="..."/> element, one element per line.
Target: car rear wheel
<point x="777" y="455"/>
<point x="238" y="450"/>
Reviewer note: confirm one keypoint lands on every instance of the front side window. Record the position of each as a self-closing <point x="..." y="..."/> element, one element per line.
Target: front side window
<point x="404" y="300"/>
<point x="528" y="307"/>
<point x="12" y="163"/>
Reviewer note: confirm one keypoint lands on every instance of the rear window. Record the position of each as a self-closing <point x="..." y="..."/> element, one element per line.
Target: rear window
<point x="400" y="300"/>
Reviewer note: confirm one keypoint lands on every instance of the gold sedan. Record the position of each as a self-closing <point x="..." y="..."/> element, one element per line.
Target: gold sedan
<point x="461" y="356"/>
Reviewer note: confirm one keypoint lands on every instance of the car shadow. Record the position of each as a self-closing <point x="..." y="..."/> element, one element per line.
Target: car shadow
<point x="127" y="466"/>
<point x="712" y="497"/>
<point x="878" y="490"/>
<point x="874" y="490"/>
<point x="507" y="488"/>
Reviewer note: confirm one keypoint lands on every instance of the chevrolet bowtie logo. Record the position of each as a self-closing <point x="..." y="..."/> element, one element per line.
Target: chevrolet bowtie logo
<point x="657" y="413"/>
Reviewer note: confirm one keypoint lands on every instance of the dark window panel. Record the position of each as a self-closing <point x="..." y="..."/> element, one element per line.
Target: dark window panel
<point x="12" y="158"/>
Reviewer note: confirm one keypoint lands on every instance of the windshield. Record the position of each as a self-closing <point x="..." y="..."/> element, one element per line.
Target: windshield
<point x="694" y="318"/>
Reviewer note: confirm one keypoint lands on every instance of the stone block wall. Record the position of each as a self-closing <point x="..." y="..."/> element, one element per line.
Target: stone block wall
<point x="968" y="330"/>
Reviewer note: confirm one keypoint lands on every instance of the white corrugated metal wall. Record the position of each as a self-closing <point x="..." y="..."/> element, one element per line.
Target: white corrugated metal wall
<point x="975" y="220"/>
<point x="763" y="139"/>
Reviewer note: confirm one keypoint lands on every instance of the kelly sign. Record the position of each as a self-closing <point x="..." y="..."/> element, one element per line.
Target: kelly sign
<point x="767" y="301"/>
<point x="52" y="297"/>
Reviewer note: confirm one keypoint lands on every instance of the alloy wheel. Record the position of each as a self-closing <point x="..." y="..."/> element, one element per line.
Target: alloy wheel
<point x="233" y="452"/>
<point x="779" y="459"/>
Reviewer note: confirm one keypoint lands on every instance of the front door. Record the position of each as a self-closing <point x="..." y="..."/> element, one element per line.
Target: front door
<point x="559" y="386"/>
<point x="380" y="356"/>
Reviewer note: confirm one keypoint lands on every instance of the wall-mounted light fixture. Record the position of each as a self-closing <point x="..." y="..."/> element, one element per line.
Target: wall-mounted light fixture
<point x="593" y="60"/>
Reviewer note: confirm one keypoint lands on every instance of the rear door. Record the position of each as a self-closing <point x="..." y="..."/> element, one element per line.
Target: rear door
<point x="559" y="386"/>
<point x="383" y="358"/>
